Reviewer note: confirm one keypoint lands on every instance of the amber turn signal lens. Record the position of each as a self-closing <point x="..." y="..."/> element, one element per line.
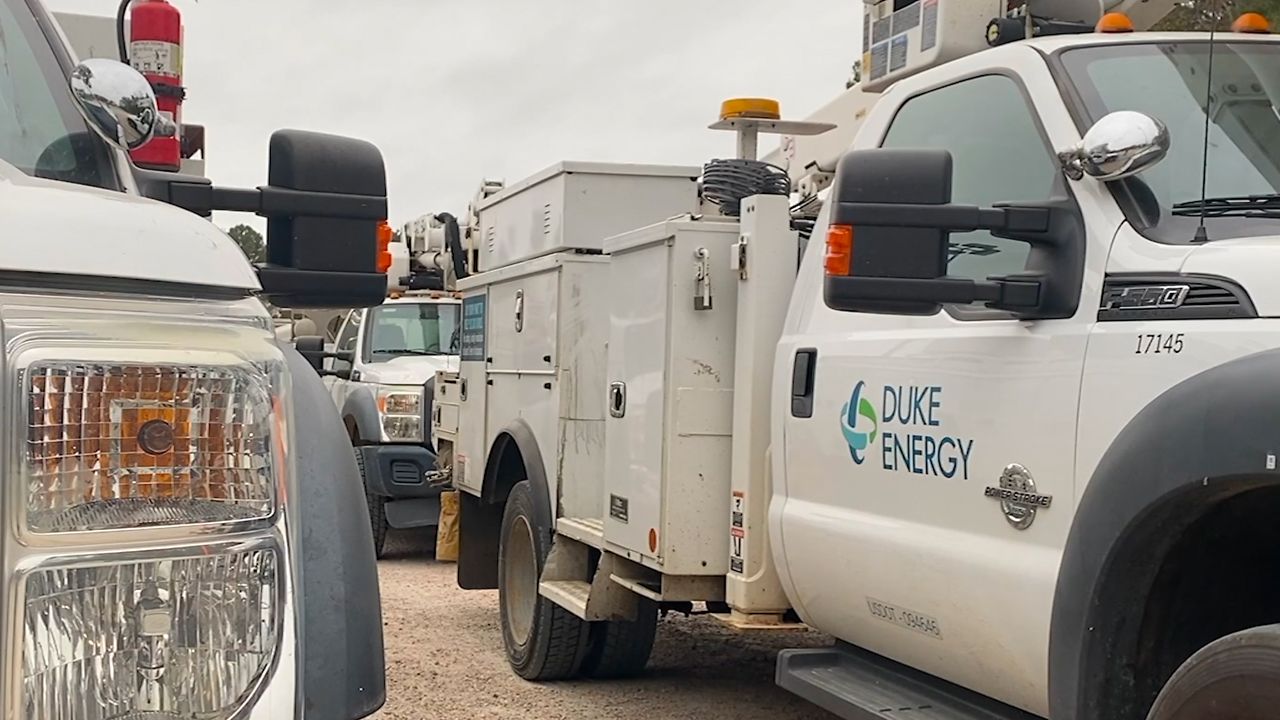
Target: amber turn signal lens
<point x="839" y="258"/>
<point x="385" y="235"/>
<point x="1251" y="22"/>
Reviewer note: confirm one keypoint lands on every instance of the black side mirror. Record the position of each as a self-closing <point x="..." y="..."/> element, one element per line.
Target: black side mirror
<point x="889" y="236"/>
<point x="323" y="202"/>
<point x="312" y="350"/>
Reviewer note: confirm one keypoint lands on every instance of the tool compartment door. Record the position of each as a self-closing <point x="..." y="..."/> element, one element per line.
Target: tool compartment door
<point x="634" y="453"/>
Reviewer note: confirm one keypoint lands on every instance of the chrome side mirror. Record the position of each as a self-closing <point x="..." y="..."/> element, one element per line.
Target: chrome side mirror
<point x="119" y="103"/>
<point x="1121" y="144"/>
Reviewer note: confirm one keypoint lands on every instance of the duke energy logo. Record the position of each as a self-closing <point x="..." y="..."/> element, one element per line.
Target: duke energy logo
<point x="859" y="438"/>
<point x="908" y="426"/>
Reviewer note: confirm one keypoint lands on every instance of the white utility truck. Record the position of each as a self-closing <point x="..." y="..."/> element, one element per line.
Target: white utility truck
<point x="177" y="542"/>
<point x="1007" y="429"/>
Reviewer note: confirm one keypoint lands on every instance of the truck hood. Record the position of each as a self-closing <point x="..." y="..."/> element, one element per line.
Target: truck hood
<point x="1253" y="263"/>
<point x="409" y="370"/>
<point x="65" y="229"/>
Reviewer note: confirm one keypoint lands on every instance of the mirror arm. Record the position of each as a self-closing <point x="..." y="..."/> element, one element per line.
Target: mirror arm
<point x="203" y="198"/>
<point x="956" y="218"/>
<point x="1010" y="294"/>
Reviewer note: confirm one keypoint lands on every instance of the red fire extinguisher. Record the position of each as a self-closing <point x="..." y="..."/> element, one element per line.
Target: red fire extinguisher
<point x="155" y="50"/>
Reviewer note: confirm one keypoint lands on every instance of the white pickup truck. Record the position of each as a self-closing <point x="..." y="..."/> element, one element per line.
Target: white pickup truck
<point x="176" y="540"/>
<point x="1007" y="430"/>
<point x="381" y="373"/>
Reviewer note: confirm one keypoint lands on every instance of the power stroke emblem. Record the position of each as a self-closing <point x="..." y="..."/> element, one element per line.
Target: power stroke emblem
<point x="1145" y="297"/>
<point x="1018" y="497"/>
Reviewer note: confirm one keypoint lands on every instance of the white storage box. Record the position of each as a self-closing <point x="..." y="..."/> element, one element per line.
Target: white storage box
<point x="668" y="437"/>
<point x="532" y="362"/>
<point x="575" y="206"/>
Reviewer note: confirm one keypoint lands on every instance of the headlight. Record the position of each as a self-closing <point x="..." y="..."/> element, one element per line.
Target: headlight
<point x="161" y="639"/>
<point x="401" y="412"/>
<point x="112" y="445"/>
<point x="145" y="535"/>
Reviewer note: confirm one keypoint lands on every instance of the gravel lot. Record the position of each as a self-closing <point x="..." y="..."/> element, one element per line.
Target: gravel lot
<point x="445" y="661"/>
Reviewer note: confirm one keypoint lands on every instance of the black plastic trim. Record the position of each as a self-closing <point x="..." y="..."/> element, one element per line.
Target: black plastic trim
<point x="342" y="653"/>
<point x="1202" y="441"/>
<point x="377" y="463"/>
<point x="293" y="288"/>
<point x="126" y="288"/>
<point x="361" y="408"/>
<point x="1241" y="305"/>
<point x="856" y="684"/>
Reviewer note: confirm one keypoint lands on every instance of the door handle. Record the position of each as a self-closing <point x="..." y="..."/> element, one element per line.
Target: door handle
<point x="803" y="371"/>
<point x="617" y="399"/>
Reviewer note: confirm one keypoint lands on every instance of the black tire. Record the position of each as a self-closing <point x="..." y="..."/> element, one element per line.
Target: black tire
<point x="543" y="640"/>
<point x="621" y="648"/>
<point x="1236" y="677"/>
<point x="377" y="510"/>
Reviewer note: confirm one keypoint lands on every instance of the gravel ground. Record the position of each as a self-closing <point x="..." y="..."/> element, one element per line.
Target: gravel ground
<point x="445" y="661"/>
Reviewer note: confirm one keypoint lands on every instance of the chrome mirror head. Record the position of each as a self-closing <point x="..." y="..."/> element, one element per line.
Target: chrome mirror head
<point x="1119" y="145"/>
<point x="118" y="102"/>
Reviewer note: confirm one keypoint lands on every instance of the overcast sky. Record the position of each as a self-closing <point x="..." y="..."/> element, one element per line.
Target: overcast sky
<point x="454" y="91"/>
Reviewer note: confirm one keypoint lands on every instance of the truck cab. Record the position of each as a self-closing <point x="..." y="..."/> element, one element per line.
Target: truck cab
<point x="381" y="375"/>
<point x="164" y="451"/>
<point x="1027" y="460"/>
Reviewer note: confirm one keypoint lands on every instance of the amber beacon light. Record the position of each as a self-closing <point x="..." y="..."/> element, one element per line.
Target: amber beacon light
<point x="1251" y="22"/>
<point x="1114" y="23"/>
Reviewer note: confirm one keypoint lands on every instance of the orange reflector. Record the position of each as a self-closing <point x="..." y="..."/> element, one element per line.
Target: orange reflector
<point x="1114" y="23"/>
<point x="1251" y="22"/>
<point x="384" y="240"/>
<point x="762" y="108"/>
<point x="839" y="259"/>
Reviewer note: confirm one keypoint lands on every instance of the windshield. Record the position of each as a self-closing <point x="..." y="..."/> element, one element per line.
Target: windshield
<point x="1167" y="81"/>
<point x="402" y="329"/>
<point x="41" y="131"/>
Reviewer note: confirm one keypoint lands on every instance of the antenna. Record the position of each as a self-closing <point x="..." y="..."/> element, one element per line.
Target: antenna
<point x="1202" y="234"/>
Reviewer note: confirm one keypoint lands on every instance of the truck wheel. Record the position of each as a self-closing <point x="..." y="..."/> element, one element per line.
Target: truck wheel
<point x="377" y="510"/>
<point x="620" y="648"/>
<point x="543" y="640"/>
<point x="1236" y="677"/>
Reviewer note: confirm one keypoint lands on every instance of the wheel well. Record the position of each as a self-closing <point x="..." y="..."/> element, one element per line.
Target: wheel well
<point x="353" y="431"/>
<point x="480" y="521"/>
<point x="1198" y="566"/>
<point x="505" y="468"/>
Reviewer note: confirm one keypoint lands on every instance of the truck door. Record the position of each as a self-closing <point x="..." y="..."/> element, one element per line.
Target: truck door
<point x="892" y="540"/>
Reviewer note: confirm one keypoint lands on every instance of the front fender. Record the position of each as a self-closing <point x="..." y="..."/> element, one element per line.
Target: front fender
<point x="362" y="408"/>
<point x="343" y="663"/>
<point x="1202" y="441"/>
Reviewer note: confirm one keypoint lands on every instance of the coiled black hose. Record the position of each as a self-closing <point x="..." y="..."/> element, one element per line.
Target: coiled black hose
<point x="727" y="182"/>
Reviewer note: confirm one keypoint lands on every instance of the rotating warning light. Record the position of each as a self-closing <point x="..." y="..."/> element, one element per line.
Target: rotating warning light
<point x="1114" y="22"/>
<point x="1251" y="22"/>
<point x="759" y="108"/>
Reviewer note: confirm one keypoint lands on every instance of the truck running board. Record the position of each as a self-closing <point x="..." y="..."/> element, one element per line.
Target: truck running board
<point x="858" y="685"/>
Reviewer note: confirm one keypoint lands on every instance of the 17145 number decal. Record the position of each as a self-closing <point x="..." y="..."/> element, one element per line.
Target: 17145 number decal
<point x="1158" y="344"/>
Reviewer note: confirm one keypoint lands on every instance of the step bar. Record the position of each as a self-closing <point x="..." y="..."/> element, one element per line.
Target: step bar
<point x="858" y="685"/>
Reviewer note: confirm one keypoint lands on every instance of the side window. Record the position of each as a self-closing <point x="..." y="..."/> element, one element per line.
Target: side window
<point x="350" y="332"/>
<point x="998" y="155"/>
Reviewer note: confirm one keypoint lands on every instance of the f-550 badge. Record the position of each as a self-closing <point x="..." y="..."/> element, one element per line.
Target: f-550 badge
<point x="1145" y="297"/>
<point x="1018" y="497"/>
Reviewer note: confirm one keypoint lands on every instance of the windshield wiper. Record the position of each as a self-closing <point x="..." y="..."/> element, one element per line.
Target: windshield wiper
<point x="1255" y="206"/>
<point x="405" y="351"/>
